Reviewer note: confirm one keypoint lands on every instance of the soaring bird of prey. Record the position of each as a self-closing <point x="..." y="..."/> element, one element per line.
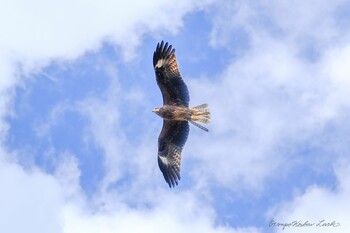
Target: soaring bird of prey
<point x="175" y="112"/>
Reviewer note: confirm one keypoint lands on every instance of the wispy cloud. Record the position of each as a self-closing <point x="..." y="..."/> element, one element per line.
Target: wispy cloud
<point x="166" y="217"/>
<point x="319" y="205"/>
<point x="272" y="96"/>
<point x="31" y="197"/>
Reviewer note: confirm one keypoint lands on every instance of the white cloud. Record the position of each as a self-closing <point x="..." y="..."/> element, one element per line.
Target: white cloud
<point x="251" y="106"/>
<point x="104" y="119"/>
<point x="36" y="33"/>
<point x="41" y="30"/>
<point x="29" y="200"/>
<point x="306" y="23"/>
<point x="319" y="203"/>
<point x="337" y="72"/>
<point x="56" y="114"/>
<point x="7" y="81"/>
<point x="68" y="174"/>
<point x="44" y="203"/>
<point x="272" y="95"/>
<point x="165" y="217"/>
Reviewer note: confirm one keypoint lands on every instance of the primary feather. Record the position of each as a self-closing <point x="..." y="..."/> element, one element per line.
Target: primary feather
<point x="169" y="80"/>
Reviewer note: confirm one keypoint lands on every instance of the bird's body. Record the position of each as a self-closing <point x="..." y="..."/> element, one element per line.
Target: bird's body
<point x="171" y="112"/>
<point x="181" y="113"/>
<point x="175" y="112"/>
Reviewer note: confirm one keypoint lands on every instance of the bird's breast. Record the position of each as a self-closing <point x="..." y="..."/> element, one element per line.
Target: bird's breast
<point x="176" y="113"/>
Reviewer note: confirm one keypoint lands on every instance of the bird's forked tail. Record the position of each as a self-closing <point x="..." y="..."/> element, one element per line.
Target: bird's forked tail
<point x="200" y="113"/>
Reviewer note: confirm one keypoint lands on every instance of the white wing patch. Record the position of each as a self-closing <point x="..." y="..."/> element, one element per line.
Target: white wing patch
<point x="164" y="160"/>
<point x="160" y="63"/>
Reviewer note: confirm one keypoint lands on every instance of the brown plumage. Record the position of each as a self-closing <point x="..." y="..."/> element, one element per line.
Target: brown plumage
<point x="175" y="113"/>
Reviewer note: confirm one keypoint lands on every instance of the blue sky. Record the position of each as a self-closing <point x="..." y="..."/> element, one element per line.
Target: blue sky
<point x="78" y="140"/>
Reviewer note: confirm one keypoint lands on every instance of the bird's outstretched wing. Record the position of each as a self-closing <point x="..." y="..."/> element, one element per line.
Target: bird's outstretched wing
<point x="169" y="80"/>
<point x="171" y="140"/>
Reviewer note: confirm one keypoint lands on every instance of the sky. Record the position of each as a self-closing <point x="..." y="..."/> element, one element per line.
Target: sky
<point x="78" y="139"/>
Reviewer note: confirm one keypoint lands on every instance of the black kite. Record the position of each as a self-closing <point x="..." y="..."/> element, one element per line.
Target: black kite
<point x="175" y="113"/>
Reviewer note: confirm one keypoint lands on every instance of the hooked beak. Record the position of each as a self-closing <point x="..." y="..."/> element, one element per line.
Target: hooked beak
<point x="155" y="110"/>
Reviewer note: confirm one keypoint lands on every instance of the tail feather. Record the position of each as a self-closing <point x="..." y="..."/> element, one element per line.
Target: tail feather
<point x="202" y="106"/>
<point x="201" y="113"/>
<point x="199" y="126"/>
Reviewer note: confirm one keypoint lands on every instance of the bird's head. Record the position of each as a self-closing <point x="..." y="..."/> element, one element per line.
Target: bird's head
<point x="156" y="111"/>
